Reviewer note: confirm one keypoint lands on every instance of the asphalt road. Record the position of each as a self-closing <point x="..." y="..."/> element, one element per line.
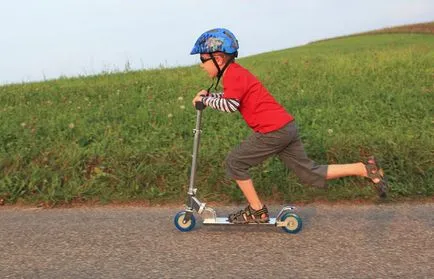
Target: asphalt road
<point x="337" y="241"/>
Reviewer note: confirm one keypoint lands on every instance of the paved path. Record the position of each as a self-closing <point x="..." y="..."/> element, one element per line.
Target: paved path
<point x="340" y="241"/>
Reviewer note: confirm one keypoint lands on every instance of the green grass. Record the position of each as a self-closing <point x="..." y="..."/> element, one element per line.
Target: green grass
<point x="128" y="136"/>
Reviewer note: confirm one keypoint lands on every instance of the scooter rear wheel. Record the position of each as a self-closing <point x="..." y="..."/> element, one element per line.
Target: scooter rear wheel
<point x="180" y="223"/>
<point x="294" y="223"/>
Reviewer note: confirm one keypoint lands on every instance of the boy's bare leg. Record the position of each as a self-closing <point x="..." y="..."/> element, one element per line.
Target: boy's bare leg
<point x="356" y="169"/>
<point x="249" y="192"/>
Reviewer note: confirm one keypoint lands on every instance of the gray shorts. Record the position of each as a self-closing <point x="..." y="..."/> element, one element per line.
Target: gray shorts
<point x="284" y="143"/>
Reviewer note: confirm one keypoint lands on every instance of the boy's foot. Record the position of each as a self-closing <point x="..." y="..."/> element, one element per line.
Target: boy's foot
<point x="376" y="174"/>
<point x="249" y="215"/>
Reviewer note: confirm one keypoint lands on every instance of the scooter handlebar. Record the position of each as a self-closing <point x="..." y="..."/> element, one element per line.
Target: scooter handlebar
<point x="200" y="106"/>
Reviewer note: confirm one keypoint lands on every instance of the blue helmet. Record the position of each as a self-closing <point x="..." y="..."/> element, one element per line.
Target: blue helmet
<point x="214" y="40"/>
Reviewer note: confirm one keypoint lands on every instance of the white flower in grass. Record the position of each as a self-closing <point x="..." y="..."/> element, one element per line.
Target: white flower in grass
<point x="180" y="98"/>
<point x="182" y="107"/>
<point x="71" y="126"/>
<point x="330" y="131"/>
<point x="23" y="124"/>
<point x="170" y="115"/>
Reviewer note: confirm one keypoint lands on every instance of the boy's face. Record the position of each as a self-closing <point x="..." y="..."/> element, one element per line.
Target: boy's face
<point x="208" y="65"/>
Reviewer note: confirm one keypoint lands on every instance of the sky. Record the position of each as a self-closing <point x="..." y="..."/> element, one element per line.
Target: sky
<point x="46" y="39"/>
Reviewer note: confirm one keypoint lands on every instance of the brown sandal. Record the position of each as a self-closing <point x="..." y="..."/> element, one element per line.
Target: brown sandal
<point x="374" y="172"/>
<point x="249" y="215"/>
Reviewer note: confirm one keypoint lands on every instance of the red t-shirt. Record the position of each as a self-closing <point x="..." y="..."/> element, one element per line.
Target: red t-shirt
<point x="259" y="109"/>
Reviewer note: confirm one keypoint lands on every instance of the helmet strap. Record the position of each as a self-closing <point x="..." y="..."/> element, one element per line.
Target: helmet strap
<point x="209" y="88"/>
<point x="219" y="71"/>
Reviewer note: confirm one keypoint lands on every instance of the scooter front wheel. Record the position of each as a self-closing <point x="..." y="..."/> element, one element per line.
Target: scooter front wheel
<point x="294" y="223"/>
<point x="181" y="224"/>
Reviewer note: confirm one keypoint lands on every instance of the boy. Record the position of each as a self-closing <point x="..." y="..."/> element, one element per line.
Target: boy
<point x="275" y="132"/>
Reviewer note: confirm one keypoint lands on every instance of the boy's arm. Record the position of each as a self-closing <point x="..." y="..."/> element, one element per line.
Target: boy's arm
<point x="215" y="95"/>
<point x="216" y="101"/>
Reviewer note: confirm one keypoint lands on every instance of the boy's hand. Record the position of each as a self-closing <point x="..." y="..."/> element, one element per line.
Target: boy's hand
<point x="199" y="96"/>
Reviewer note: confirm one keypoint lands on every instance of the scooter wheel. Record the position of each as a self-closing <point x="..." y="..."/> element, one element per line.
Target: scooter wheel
<point x="180" y="223"/>
<point x="294" y="223"/>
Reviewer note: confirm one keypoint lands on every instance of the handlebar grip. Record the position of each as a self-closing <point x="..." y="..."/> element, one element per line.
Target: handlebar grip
<point x="200" y="106"/>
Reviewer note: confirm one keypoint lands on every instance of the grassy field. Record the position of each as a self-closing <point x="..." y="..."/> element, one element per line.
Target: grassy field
<point x="128" y="136"/>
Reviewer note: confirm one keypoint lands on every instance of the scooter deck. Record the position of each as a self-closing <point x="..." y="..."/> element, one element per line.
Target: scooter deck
<point x="224" y="221"/>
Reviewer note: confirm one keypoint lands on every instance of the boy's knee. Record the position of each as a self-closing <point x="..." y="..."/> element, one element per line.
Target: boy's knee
<point x="235" y="168"/>
<point x="316" y="176"/>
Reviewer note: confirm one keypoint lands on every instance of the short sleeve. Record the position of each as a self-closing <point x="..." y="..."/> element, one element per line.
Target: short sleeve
<point x="234" y="87"/>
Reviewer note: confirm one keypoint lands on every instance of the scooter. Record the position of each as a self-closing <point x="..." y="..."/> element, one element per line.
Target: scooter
<point x="185" y="220"/>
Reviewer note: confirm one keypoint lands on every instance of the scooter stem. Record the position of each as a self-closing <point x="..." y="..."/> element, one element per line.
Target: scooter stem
<point x="199" y="107"/>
